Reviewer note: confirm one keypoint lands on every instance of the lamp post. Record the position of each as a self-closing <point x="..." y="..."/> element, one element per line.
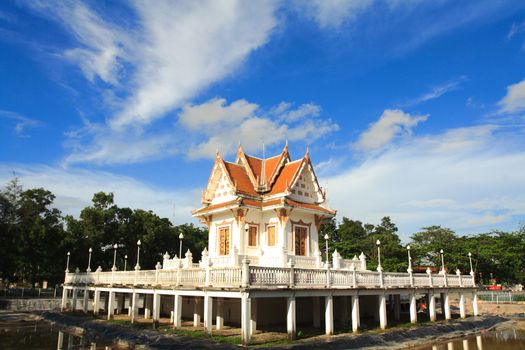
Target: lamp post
<point x="470" y="261"/>
<point x="378" y="243"/>
<point x="137" y="267"/>
<point x="67" y="263"/>
<point x="89" y="260"/>
<point x="442" y="262"/>
<point x="409" y="270"/>
<point x="125" y="262"/>
<point x="114" y="268"/>
<point x="326" y="237"/>
<point x="181" y="237"/>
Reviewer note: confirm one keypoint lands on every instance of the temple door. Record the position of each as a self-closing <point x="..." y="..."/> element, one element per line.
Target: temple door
<point x="301" y="235"/>
<point x="224" y="240"/>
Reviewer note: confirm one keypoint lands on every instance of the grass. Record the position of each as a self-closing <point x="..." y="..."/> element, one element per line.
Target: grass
<point x="199" y="334"/>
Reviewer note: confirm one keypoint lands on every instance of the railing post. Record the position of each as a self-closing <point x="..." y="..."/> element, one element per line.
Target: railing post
<point x="381" y="278"/>
<point x="336" y="260"/>
<point x="179" y="266"/>
<point x="157" y="269"/>
<point x="445" y="281"/>
<point x="459" y="277"/>
<point x="411" y="276"/>
<point x="189" y="260"/>
<point x="429" y="273"/>
<point x="98" y="271"/>
<point x="328" y="277"/>
<point x="354" y="276"/>
<point x="207" y="275"/>
<point x="291" y="265"/>
<point x="318" y="259"/>
<point x="245" y="273"/>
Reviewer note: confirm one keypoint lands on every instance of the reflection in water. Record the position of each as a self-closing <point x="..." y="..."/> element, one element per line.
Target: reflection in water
<point x="510" y="339"/>
<point x="60" y="341"/>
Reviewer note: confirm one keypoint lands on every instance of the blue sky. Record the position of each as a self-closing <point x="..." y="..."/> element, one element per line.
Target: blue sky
<point x="412" y="109"/>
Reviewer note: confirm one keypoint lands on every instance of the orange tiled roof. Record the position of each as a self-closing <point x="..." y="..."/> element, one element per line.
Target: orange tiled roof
<point x="286" y="177"/>
<point x="256" y="165"/>
<point x="240" y="178"/>
<point x="215" y="206"/>
<point x="309" y="206"/>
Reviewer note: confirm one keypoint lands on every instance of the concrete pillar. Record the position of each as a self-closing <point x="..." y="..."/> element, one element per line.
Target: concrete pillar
<point x="96" y="302"/>
<point x="479" y="342"/>
<point x="85" y="304"/>
<point x="177" y="311"/>
<point x="462" y="305"/>
<point x="382" y="311"/>
<point x="253" y="318"/>
<point x="134" y="307"/>
<point x="446" y="301"/>
<point x="196" y="313"/>
<point x="355" y="313"/>
<point x="329" y="314"/>
<point x="111" y="302"/>
<point x="245" y="318"/>
<point x="413" y="308"/>
<point x="450" y="346"/>
<point x="63" y="305"/>
<point x="475" y="303"/>
<point x="432" y="306"/>
<point x="156" y="309"/>
<point x="208" y="312"/>
<point x="397" y="307"/>
<point x="344" y="310"/>
<point x="148" y="305"/>
<point x="290" y="317"/>
<point x="219" y="321"/>
<point x="74" y="299"/>
<point x="316" y="309"/>
<point x="465" y="344"/>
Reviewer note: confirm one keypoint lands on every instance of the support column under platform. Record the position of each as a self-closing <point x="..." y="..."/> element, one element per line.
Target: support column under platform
<point x="177" y="311"/>
<point x="245" y="318"/>
<point x="291" y="317"/>
<point x="219" y="322"/>
<point x="382" y="311"/>
<point x="355" y="313"/>
<point x="208" y="311"/>
<point x="413" y="308"/>
<point x="329" y="315"/>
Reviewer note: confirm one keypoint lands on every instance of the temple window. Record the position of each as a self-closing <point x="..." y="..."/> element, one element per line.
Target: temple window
<point x="224" y="240"/>
<point x="252" y="235"/>
<point x="271" y="235"/>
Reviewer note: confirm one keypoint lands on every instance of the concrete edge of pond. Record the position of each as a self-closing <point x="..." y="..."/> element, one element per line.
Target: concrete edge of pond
<point x="393" y="338"/>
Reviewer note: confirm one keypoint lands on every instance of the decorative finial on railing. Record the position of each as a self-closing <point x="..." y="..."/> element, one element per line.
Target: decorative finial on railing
<point x="166" y="256"/>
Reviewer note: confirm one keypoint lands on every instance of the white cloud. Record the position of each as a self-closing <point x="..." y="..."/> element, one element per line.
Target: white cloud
<point x="333" y="13"/>
<point x="514" y="100"/>
<point x="21" y="123"/>
<point x="224" y="126"/>
<point x="391" y="124"/>
<point x="437" y="91"/>
<point x="468" y="179"/>
<point x="74" y="189"/>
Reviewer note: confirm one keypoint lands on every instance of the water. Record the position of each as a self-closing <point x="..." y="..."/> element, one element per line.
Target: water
<point x="33" y="335"/>
<point x="40" y="335"/>
<point x="508" y="339"/>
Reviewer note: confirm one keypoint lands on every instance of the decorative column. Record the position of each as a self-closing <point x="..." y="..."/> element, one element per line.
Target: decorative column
<point x="208" y="309"/>
<point x="475" y="303"/>
<point x="462" y="305"/>
<point x="85" y="304"/>
<point x="290" y="317"/>
<point x="355" y="313"/>
<point x="253" y="317"/>
<point x="413" y="308"/>
<point x="382" y="311"/>
<point x="219" y="322"/>
<point x="111" y="301"/>
<point x="196" y="314"/>
<point x="63" y="305"/>
<point x="177" y="311"/>
<point x="96" y="302"/>
<point x="156" y="309"/>
<point x="431" y="306"/>
<point x="147" y="306"/>
<point x="329" y="315"/>
<point x="134" y="306"/>
<point x="245" y="318"/>
<point x="74" y="299"/>
<point x="447" y="306"/>
<point x="316" y="313"/>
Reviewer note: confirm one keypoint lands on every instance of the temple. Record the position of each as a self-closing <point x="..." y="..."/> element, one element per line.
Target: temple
<point x="263" y="267"/>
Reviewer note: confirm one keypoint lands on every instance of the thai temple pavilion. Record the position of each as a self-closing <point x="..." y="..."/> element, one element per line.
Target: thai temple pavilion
<point x="263" y="266"/>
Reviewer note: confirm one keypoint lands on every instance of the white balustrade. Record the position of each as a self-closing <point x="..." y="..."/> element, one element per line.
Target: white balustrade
<point x="305" y="262"/>
<point x="269" y="276"/>
<point x="392" y="279"/>
<point x="310" y="277"/>
<point x="262" y="277"/>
